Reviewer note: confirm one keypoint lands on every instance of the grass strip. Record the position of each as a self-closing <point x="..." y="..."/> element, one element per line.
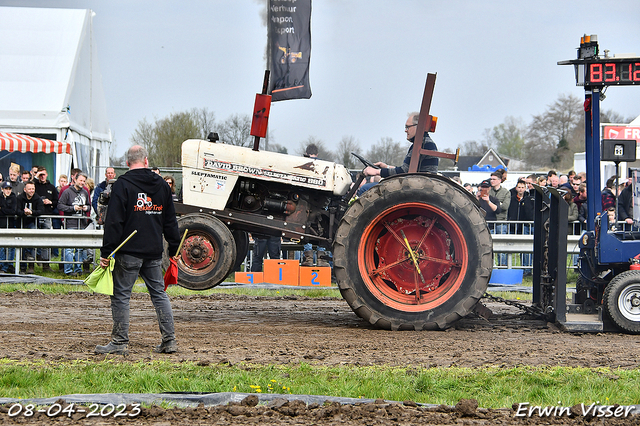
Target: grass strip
<point x="493" y="387"/>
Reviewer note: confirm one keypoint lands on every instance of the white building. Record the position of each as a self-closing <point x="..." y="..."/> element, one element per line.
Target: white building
<point x="51" y="88"/>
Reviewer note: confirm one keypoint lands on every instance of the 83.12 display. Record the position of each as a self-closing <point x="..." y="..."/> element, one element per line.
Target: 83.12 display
<point x="613" y="72"/>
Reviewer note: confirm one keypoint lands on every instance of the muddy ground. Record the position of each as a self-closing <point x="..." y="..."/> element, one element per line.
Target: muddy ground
<point x="266" y="330"/>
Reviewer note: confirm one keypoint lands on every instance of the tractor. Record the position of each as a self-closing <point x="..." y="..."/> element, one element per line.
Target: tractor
<point x="412" y="253"/>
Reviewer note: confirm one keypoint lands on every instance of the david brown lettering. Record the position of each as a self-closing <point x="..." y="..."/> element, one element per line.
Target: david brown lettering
<point x="525" y="410"/>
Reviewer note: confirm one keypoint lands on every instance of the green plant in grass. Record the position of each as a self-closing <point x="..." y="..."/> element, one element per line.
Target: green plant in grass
<point x="494" y="387"/>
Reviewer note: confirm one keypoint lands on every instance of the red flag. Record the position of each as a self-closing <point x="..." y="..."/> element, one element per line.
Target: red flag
<point x="171" y="276"/>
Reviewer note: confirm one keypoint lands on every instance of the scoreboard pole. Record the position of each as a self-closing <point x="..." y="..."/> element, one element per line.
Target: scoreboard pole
<point x="592" y="142"/>
<point x="596" y="73"/>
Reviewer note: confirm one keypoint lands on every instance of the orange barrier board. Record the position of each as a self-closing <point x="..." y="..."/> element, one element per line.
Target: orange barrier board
<point x="249" y="277"/>
<point x="314" y="276"/>
<point x="281" y="271"/>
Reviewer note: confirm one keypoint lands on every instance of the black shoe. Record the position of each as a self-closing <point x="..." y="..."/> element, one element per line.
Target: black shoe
<point x="112" y="348"/>
<point x="166" y="347"/>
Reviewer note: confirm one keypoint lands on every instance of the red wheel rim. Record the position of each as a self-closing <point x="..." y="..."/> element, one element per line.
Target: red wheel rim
<point x="386" y="265"/>
<point x="198" y="255"/>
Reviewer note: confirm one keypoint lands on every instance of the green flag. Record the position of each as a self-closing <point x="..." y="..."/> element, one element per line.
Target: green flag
<point x="101" y="279"/>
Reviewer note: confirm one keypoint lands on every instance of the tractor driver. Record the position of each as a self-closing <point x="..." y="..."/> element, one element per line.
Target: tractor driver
<point x="427" y="163"/>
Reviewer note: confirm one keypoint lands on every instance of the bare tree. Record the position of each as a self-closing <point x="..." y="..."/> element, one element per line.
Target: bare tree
<point x="474" y="148"/>
<point x="205" y="120"/>
<point x="347" y="145"/>
<point x="163" y="139"/>
<point x="387" y="151"/>
<point x="143" y="135"/>
<point x="548" y="134"/>
<point x="236" y="130"/>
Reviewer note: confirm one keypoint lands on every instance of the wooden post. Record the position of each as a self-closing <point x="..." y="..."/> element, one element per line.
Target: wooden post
<point x="424" y="122"/>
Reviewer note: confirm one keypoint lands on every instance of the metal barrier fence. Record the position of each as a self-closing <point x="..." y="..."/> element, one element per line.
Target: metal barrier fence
<point x="51" y="233"/>
<point x="513" y="244"/>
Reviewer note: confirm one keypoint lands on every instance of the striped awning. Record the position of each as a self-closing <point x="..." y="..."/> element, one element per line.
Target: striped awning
<point x="23" y="143"/>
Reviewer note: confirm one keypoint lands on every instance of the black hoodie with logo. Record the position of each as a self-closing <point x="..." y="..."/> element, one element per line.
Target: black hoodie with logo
<point x="141" y="200"/>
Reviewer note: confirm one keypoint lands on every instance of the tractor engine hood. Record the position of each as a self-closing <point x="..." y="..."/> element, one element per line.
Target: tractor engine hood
<point x="213" y="169"/>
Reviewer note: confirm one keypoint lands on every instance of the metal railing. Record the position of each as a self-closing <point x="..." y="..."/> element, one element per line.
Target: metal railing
<point x="48" y="238"/>
<point x="512" y="244"/>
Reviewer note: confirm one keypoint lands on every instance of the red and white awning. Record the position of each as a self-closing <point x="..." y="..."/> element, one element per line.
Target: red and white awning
<point x="23" y="143"/>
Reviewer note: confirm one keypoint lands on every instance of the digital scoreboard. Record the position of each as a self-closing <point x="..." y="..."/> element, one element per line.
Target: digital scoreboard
<point x="611" y="72"/>
<point x="595" y="71"/>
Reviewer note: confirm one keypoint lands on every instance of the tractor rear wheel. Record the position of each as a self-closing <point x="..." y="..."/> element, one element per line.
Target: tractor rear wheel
<point x="414" y="252"/>
<point x="622" y="301"/>
<point x="208" y="253"/>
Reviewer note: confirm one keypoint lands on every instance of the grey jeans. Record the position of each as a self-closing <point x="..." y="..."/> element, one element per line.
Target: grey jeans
<point x="125" y="273"/>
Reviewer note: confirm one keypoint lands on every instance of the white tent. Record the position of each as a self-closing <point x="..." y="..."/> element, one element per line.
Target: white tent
<point x="50" y="84"/>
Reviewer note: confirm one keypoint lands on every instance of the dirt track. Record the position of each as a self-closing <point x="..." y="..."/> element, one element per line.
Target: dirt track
<point x="267" y="330"/>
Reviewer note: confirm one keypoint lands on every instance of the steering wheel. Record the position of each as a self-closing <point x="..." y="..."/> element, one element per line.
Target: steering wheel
<point x="364" y="161"/>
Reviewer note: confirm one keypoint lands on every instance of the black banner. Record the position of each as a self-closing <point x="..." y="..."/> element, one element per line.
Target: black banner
<point x="290" y="45"/>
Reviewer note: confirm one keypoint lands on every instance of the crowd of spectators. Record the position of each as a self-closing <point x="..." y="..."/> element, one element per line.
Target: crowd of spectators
<point x="30" y="200"/>
<point x="520" y="207"/>
<point x="512" y="211"/>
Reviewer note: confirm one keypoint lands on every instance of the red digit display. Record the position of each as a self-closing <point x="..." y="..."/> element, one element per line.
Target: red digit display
<point x="625" y="73"/>
<point x="596" y="73"/>
<point x="613" y="71"/>
<point x="609" y="73"/>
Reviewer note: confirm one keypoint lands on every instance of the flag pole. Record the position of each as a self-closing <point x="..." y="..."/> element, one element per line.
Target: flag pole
<point x="122" y="243"/>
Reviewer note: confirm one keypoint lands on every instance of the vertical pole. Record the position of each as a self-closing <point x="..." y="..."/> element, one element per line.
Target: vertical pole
<point x="424" y="122"/>
<point x="592" y="148"/>
<point x="268" y="67"/>
<point x="557" y="254"/>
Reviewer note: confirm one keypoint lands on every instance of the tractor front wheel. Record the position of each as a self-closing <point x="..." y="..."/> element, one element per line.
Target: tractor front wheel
<point x="208" y="253"/>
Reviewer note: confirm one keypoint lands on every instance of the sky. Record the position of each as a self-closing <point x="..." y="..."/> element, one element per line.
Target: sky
<point x="369" y="61"/>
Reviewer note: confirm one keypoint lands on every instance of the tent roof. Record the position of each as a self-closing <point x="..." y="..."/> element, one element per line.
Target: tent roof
<point x="50" y="76"/>
<point x="15" y="142"/>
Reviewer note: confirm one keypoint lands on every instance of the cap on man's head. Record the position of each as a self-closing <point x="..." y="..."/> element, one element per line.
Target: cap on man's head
<point x="485" y="184"/>
<point x="6" y="184"/>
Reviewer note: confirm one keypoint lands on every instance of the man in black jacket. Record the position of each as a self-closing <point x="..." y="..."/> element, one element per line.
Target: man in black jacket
<point x="522" y="208"/>
<point x="29" y="208"/>
<point x="625" y="204"/>
<point x="140" y="200"/>
<point x="49" y="194"/>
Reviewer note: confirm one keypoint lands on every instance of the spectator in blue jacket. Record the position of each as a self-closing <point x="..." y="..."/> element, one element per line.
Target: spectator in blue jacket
<point x="109" y="174"/>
